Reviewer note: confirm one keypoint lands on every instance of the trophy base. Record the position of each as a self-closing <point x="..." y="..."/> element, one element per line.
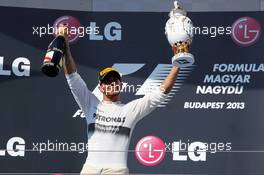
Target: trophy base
<point x="183" y="60"/>
<point x="50" y="69"/>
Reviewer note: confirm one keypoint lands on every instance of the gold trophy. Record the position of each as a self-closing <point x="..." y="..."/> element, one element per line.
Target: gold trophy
<point x="179" y="33"/>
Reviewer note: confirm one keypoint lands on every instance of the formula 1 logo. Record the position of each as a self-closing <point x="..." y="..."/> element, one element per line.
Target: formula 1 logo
<point x="150" y="150"/>
<point x="246" y="31"/>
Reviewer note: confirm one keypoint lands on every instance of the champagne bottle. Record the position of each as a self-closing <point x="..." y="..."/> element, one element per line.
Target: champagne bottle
<point x="53" y="59"/>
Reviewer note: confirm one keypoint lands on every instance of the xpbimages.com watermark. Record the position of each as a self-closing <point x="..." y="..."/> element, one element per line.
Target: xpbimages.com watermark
<point x="79" y="31"/>
<point x="211" y="31"/>
<point x="56" y="145"/>
<point x="130" y="88"/>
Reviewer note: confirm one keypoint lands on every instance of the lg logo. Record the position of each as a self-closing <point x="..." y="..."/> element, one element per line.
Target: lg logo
<point x="151" y="150"/>
<point x="69" y="21"/>
<point x="246" y="31"/>
<point x="20" y="67"/>
<point x="196" y="151"/>
<point x="15" y="146"/>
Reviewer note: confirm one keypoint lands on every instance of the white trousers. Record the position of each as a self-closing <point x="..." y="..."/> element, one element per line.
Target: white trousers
<point x="91" y="169"/>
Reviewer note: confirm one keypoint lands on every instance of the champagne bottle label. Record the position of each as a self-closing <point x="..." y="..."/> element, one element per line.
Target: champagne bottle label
<point x="49" y="56"/>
